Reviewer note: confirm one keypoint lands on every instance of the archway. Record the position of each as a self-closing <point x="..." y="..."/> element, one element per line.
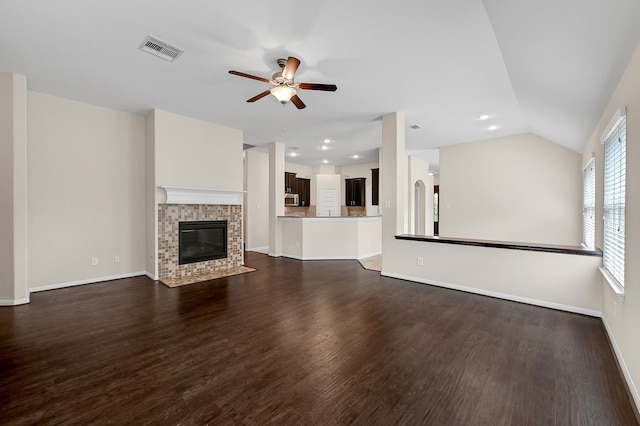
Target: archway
<point x="419" y="214"/>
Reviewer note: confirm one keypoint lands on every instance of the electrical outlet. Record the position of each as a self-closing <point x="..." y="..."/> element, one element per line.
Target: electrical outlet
<point x="94" y="261"/>
<point x="420" y="261"/>
<point x="116" y="259"/>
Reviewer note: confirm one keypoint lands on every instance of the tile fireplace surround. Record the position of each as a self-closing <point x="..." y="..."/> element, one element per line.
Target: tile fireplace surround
<point x="169" y="216"/>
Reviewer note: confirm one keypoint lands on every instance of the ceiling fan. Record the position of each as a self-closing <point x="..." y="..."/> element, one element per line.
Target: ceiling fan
<point x="285" y="86"/>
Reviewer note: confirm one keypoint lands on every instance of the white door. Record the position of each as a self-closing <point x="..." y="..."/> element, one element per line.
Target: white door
<point x="328" y="204"/>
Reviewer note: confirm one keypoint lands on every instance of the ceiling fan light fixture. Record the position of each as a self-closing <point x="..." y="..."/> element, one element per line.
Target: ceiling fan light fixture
<point x="283" y="93"/>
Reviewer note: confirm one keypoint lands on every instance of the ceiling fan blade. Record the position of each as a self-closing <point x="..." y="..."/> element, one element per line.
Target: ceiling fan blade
<point x="315" y="86"/>
<point x="260" y="96"/>
<point x="291" y="67"/>
<point x="241" y="74"/>
<point x="298" y="102"/>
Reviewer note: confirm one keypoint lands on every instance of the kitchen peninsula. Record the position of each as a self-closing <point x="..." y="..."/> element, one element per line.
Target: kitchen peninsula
<point x="330" y="237"/>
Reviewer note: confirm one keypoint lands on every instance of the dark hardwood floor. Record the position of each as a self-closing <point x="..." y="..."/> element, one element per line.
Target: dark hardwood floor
<point x="323" y="342"/>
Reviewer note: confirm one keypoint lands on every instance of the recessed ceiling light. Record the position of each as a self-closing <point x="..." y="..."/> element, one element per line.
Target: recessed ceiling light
<point x="324" y="147"/>
<point x="327" y="140"/>
<point x="483" y="117"/>
<point x="492" y="127"/>
<point x="356" y="156"/>
<point x="325" y="161"/>
<point x="293" y="154"/>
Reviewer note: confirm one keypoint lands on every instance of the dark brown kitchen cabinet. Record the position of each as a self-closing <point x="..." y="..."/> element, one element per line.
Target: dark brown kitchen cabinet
<point x="304" y="191"/>
<point x="375" y="186"/>
<point x="290" y="183"/>
<point x="355" y="192"/>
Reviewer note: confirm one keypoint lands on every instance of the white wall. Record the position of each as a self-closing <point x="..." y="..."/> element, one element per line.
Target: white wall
<point x="548" y="279"/>
<point x="331" y="238"/>
<point x="192" y="153"/>
<point x="357" y="171"/>
<point x="256" y="207"/>
<point x="86" y="191"/>
<point x="419" y="172"/>
<point x="518" y="188"/>
<point x="276" y="188"/>
<point x="301" y="170"/>
<point x="325" y="169"/>
<point x="561" y="281"/>
<point x="196" y="153"/>
<point x="622" y="318"/>
<point x="393" y="184"/>
<point x="13" y="190"/>
<point x="151" y="213"/>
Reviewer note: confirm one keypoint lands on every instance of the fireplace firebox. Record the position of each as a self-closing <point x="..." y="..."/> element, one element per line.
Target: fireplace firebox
<point x="202" y="240"/>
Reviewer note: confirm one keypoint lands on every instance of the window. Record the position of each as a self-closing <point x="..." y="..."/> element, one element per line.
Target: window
<point x="589" y="205"/>
<point x="614" y="139"/>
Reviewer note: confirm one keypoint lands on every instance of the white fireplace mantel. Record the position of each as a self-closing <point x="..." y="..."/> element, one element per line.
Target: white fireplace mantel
<point x="188" y="195"/>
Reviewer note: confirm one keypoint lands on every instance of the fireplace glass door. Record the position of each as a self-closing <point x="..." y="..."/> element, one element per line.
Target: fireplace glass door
<point x="201" y="241"/>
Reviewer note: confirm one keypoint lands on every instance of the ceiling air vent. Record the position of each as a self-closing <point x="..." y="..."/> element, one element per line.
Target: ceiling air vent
<point x="415" y="127"/>
<point x="161" y="49"/>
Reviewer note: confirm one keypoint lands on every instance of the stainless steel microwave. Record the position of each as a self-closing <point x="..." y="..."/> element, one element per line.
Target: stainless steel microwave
<point x="291" y="199"/>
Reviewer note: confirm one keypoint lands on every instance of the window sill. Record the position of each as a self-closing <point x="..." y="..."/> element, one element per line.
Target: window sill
<point x="617" y="288"/>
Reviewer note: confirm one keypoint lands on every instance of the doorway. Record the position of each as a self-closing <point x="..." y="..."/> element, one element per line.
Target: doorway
<point x="436" y="209"/>
<point x="419" y="213"/>
<point x="328" y="204"/>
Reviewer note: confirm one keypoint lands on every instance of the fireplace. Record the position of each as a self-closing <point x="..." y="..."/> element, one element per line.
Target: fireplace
<point x="200" y="241"/>
<point x="171" y="216"/>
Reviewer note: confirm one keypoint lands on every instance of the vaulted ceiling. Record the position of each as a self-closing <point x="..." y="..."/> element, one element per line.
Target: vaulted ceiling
<point x="546" y="67"/>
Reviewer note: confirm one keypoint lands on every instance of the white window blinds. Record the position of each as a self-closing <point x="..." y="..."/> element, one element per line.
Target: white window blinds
<point x="614" y="196"/>
<point x="589" y="205"/>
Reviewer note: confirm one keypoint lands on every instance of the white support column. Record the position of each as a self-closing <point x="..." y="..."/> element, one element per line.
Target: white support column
<point x="14" y="287"/>
<point x="276" y="196"/>
<point x="394" y="191"/>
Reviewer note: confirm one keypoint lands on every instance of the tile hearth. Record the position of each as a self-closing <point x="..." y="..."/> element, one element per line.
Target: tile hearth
<point x="220" y="273"/>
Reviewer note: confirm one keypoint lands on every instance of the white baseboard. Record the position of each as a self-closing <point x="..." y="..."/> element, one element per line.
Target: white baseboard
<point x="87" y="281"/>
<point x="153" y="277"/>
<point x="364" y="256"/>
<point x="623" y="365"/>
<point x="322" y="257"/>
<point x="263" y="250"/>
<point x="536" y="302"/>
<point x="14" y="302"/>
